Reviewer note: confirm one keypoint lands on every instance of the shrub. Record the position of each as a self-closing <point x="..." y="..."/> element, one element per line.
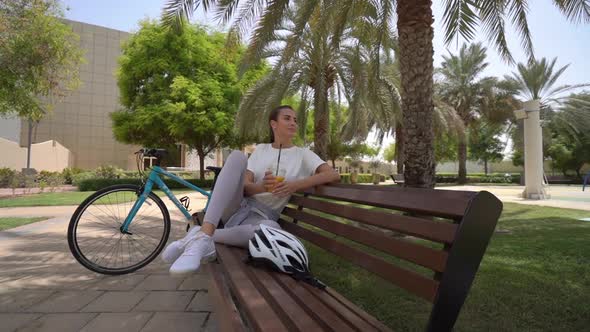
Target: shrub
<point x="77" y="178"/>
<point x="108" y="172"/>
<point x="362" y="178"/>
<point x="68" y="174"/>
<point x="46" y="175"/>
<point x="6" y="177"/>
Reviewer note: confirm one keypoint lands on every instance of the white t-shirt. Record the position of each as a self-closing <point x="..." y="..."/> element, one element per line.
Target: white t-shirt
<point x="298" y="163"/>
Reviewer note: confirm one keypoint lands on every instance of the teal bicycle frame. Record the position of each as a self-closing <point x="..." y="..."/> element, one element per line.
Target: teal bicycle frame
<point x="154" y="178"/>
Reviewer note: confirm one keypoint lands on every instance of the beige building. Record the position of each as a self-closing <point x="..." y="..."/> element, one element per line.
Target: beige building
<point x="81" y="122"/>
<point x="48" y="155"/>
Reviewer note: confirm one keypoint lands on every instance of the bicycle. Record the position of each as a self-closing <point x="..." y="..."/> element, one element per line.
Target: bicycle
<point x="122" y="228"/>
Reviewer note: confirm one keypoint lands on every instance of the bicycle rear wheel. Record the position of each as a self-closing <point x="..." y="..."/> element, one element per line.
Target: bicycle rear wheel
<point x="95" y="238"/>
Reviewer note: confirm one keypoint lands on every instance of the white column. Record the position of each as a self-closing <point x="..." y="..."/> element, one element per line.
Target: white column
<point x="533" y="153"/>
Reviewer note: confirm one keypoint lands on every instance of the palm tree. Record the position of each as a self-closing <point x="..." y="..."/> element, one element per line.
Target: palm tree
<point x="464" y="89"/>
<point x="415" y="35"/>
<point x="537" y="80"/>
<point x="320" y="67"/>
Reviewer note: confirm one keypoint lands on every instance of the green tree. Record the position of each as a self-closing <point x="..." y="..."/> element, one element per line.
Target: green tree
<point x="415" y="36"/>
<point x="179" y="88"/>
<point x="39" y="57"/>
<point x="389" y="153"/>
<point x="570" y="146"/>
<point x="485" y="143"/>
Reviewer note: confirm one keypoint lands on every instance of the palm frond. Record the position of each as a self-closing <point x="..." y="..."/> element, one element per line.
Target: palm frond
<point x="178" y="12"/>
<point x="459" y="18"/>
<point x="492" y="14"/>
<point x="575" y="10"/>
<point x="518" y="12"/>
<point x="265" y="30"/>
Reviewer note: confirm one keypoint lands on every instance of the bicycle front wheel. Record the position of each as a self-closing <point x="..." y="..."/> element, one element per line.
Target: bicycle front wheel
<point x="95" y="237"/>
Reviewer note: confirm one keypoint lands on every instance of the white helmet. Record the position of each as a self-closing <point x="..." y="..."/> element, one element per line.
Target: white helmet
<point x="279" y="249"/>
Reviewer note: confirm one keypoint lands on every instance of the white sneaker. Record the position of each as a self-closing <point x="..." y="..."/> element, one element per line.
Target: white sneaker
<point x="175" y="249"/>
<point x="200" y="248"/>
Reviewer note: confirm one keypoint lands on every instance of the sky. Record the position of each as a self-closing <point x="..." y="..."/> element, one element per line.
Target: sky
<point x="553" y="36"/>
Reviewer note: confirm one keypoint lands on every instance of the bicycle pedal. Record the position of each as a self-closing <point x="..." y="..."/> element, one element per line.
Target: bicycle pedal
<point x="198" y="218"/>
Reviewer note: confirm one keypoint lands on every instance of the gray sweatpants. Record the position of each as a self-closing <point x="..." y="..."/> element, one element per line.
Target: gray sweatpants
<point x="226" y="199"/>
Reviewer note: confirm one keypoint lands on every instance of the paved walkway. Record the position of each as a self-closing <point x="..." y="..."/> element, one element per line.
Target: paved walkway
<point x="562" y="196"/>
<point x="7" y="192"/>
<point x="42" y="287"/>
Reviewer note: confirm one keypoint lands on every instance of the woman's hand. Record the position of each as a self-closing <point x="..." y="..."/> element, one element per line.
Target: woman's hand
<point x="285" y="188"/>
<point x="269" y="181"/>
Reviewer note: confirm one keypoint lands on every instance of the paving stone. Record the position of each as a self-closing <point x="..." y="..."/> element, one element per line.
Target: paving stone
<point x="114" y="322"/>
<point x="119" y="283"/>
<point x="212" y="324"/>
<point x="115" y="302"/>
<point x="66" y="301"/>
<point x="165" y="301"/>
<point x="19" y="300"/>
<point x="11" y="322"/>
<point x="200" y="302"/>
<point x="159" y="282"/>
<point x="176" y="321"/>
<point x="59" y="322"/>
<point x="53" y="281"/>
<point x="195" y="282"/>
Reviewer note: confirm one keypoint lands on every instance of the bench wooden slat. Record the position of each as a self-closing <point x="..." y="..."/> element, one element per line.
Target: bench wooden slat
<point x="426" y="229"/>
<point x="343" y="313"/>
<point x="251" y="299"/>
<point x="372" y="320"/>
<point x="328" y="318"/>
<point x="289" y="309"/>
<point x="220" y="294"/>
<point x="421" y="286"/>
<point x="427" y="257"/>
<point x="439" y="203"/>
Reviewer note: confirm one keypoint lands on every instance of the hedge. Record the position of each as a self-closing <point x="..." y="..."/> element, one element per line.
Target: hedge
<point x="97" y="184"/>
<point x="362" y="178"/>
<point x="453" y="178"/>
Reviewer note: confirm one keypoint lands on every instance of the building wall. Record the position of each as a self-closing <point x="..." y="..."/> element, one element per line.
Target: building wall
<point x="10" y="128"/>
<point x="45" y="156"/>
<point x="15" y="157"/>
<point x="81" y="122"/>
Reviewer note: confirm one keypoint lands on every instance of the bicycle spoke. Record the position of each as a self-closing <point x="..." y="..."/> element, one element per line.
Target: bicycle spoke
<point x="99" y="241"/>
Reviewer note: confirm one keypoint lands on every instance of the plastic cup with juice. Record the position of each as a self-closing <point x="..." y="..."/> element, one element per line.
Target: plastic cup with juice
<point x="280" y="176"/>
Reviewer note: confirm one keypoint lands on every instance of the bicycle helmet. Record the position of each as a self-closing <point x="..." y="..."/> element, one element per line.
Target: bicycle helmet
<point x="280" y="250"/>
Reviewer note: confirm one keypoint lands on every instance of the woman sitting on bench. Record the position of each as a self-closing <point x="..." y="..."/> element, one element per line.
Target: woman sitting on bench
<point x="250" y="192"/>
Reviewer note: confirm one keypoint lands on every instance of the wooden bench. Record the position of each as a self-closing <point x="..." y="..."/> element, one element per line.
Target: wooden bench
<point x="398" y="178"/>
<point x="459" y="223"/>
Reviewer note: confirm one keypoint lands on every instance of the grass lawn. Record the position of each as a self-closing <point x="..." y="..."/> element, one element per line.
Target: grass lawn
<point x="535" y="278"/>
<point x="61" y="198"/>
<point x="6" y="223"/>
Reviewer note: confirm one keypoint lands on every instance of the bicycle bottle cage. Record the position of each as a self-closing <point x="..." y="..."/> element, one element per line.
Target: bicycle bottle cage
<point x="186" y="201"/>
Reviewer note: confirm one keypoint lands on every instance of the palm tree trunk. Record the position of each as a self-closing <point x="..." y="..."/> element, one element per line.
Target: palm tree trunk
<point x="414" y="26"/>
<point x="462" y="159"/>
<point x="321" y="117"/>
<point x="399" y="148"/>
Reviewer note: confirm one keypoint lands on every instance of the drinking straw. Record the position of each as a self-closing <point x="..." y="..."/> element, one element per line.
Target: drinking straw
<point x="279" y="160"/>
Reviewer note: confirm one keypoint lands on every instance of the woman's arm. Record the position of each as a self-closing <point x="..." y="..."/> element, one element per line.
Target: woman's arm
<point x="251" y="188"/>
<point x="324" y="174"/>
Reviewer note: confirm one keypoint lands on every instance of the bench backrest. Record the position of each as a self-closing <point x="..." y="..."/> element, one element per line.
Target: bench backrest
<point x="460" y="222"/>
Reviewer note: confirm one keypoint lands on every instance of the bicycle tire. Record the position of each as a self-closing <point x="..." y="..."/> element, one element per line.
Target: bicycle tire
<point x="110" y="225"/>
